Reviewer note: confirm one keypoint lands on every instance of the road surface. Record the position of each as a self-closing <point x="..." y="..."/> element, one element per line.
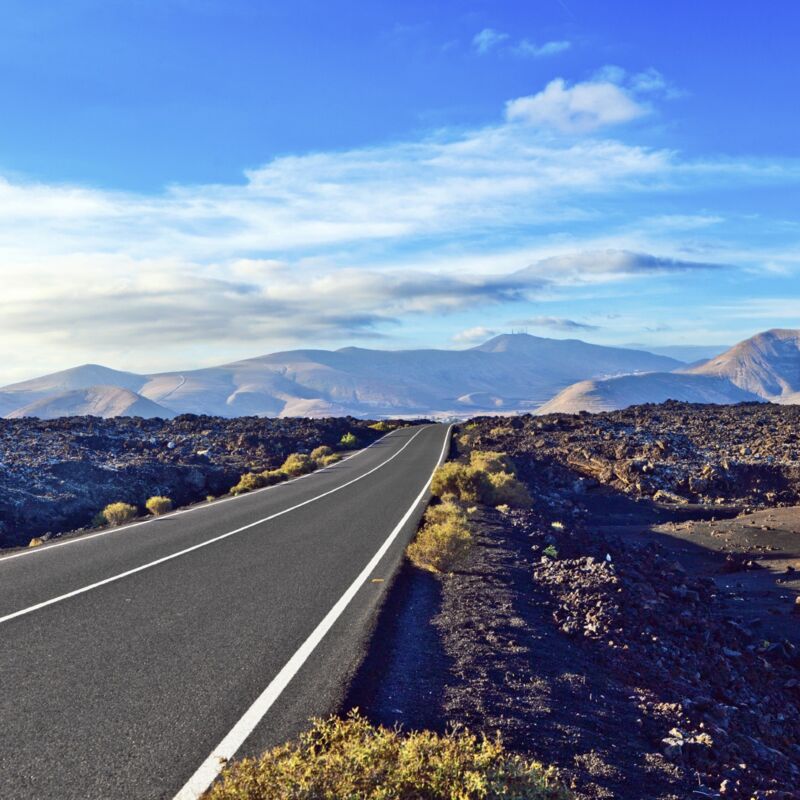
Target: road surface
<point x="132" y="660"/>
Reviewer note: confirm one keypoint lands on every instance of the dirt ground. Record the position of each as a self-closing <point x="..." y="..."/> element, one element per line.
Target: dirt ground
<point x="655" y="657"/>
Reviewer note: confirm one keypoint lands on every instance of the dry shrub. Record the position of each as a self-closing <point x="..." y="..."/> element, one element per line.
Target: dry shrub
<point x="350" y="758"/>
<point x="508" y="491"/>
<point x="462" y="482"/>
<point x="443" y="540"/>
<point x="489" y="461"/>
<point x="298" y="464"/>
<point x="321" y="452"/>
<point x="158" y="505"/>
<point x="331" y="459"/>
<point x="249" y="482"/>
<point x="119" y="513"/>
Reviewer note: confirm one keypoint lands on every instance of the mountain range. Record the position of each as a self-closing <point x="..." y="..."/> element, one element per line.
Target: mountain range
<point x="513" y="372"/>
<point x="507" y="374"/>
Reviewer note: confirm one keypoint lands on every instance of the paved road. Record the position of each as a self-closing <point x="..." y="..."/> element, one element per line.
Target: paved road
<point x="130" y="660"/>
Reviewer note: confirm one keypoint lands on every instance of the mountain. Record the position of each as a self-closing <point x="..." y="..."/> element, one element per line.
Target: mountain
<point x="655" y="387"/>
<point x="767" y="364"/>
<point x="763" y="367"/>
<point x="511" y="372"/>
<point x="97" y="401"/>
<point x="688" y="353"/>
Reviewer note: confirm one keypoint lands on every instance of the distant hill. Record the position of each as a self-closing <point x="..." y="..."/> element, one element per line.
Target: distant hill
<point x="97" y="401"/>
<point x="513" y="372"/>
<point x="656" y="387"/>
<point x="767" y="364"/>
<point x="763" y="367"/>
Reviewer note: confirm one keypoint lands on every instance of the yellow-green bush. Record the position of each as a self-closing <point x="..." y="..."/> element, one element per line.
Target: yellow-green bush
<point x="348" y="440"/>
<point x="461" y="481"/>
<point x="489" y="461"/>
<point x="507" y="490"/>
<point x="443" y="540"/>
<point x="36" y="541"/>
<point x="331" y="459"/>
<point x="383" y="426"/>
<point x="350" y="759"/>
<point x="249" y="482"/>
<point x="119" y="513"/>
<point x="269" y="477"/>
<point x="501" y="431"/>
<point x="297" y="464"/>
<point x="158" y="505"/>
<point x="318" y="453"/>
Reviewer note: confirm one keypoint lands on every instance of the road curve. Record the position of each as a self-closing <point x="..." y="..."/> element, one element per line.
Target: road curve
<point x="130" y="661"/>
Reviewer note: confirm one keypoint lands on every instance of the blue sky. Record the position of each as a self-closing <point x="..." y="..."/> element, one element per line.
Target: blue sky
<point x="189" y="181"/>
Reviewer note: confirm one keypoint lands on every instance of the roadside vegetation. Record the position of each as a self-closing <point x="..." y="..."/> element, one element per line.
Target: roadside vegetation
<point x="351" y="758"/>
<point x="444" y="537"/>
<point x="159" y="505"/>
<point x="116" y="514"/>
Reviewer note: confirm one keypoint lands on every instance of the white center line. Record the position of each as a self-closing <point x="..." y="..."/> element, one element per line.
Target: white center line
<point x="207" y="772"/>
<point x="121" y="575"/>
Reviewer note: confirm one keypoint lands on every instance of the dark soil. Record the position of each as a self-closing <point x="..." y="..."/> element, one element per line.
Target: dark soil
<point x="655" y="656"/>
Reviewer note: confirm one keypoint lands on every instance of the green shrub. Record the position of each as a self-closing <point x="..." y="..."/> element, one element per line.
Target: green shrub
<point x="318" y="453"/>
<point x="462" y="482"/>
<point x="350" y="759"/>
<point x="297" y="464"/>
<point x="249" y="482"/>
<point x="119" y="513"/>
<point x="349" y="440"/>
<point x="489" y="461"/>
<point x="443" y="540"/>
<point x="507" y="490"/>
<point x="158" y="505"/>
<point x="550" y="552"/>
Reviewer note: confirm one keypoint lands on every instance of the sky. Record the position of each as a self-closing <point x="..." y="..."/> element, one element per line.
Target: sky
<point x="189" y="182"/>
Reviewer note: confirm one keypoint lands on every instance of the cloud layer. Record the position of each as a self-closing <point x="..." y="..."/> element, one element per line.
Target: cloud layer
<point x="332" y="247"/>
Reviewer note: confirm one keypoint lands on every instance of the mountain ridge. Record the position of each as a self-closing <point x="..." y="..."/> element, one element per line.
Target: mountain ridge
<point x="510" y="372"/>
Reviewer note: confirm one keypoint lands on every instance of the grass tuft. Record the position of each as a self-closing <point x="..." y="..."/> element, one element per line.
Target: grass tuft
<point x="119" y="513"/>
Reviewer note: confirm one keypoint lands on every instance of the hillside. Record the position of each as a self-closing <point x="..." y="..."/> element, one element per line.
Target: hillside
<point x="763" y="367"/>
<point x="513" y="372"/>
<point x="767" y="364"/>
<point x="616" y="393"/>
<point x="96" y="401"/>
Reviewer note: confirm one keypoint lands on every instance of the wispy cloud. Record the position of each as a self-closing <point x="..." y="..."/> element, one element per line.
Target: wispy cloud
<point x="473" y="335"/>
<point x="554" y="323"/>
<point x="525" y="48"/>
<point x="486" y="40"/>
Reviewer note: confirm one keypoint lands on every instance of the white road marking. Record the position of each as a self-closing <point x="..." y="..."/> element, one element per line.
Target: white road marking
<point x="219" y="538"/>
<point x="207" y="772"/>
<point x="46" y="548"/>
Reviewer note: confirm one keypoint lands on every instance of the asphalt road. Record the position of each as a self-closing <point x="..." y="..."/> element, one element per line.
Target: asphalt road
<point x="131" y="660"/>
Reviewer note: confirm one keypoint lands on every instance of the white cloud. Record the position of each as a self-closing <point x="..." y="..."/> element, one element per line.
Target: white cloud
<point x="581" y="108"/>
<point x="528" y="49"/>
<point x="473" y="335"/>
<point x="555" y="323"/>
<point x="487" y="39"/>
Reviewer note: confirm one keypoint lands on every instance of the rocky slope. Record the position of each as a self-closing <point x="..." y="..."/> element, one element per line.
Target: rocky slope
<point x="589" y="637"/>
<point x="510" y="372"/>
<point x="56" y="475"/>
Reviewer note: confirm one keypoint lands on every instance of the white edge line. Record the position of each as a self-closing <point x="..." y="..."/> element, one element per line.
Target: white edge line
<point x="207" y="772"/>
<point x="97" y="584"/>
<point x="195" y="507"/>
